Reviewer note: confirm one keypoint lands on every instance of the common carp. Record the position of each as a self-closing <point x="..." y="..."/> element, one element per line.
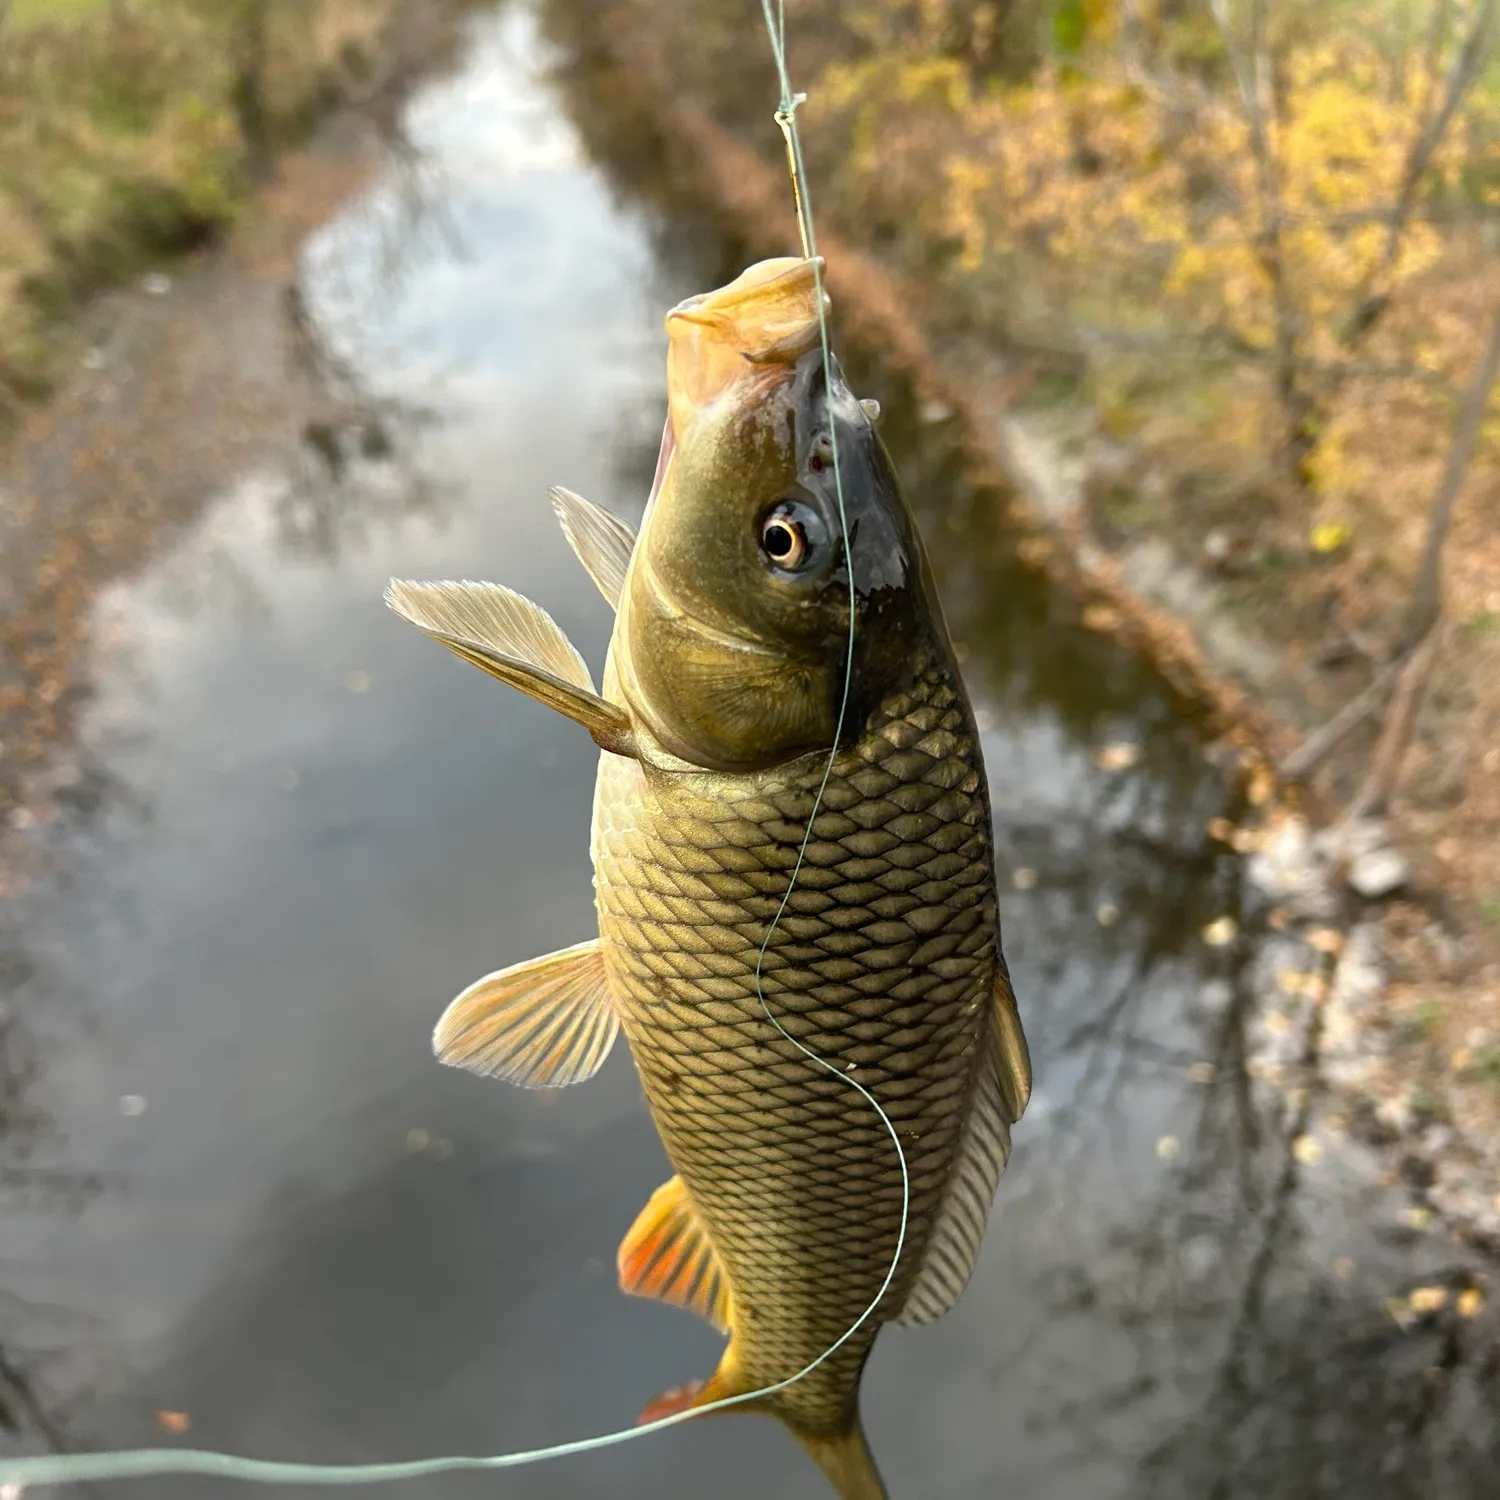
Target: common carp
<point x="739" y="703"/>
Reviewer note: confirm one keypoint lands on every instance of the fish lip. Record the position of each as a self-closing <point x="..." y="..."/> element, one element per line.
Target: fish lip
<point x="747" y="334"/>
<point x="725" y="311"/>
<point x="756" y="327"/>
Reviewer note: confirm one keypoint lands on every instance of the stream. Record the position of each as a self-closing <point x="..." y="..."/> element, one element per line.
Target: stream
<point x="247" y="1194"/>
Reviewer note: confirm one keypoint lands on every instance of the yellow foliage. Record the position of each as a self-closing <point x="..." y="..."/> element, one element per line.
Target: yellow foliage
<point x="1091" y="173"/>
<point x="1329" y="536"/>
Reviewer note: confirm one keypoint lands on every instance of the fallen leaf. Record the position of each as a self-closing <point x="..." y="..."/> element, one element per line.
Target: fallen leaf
<point x="1470" y="1300"/>
<point x="1101" y="617"/>
<point x="1221" y="829"/>
<point x="1108" y="915"/>
<point x="1220" y="932"/>
<point x="1419" y="1216"/>
<point x="1168" y="1148"/>
<point x="1329" y="536"/>
<point x="1307" y="1150"/>
<point x="1326" y="940"/>
<point x="1262" y="784"/>
<point x="1427" y="1299"/>
<point x="1119" y="757"/>
<point x="175" y="1422"/>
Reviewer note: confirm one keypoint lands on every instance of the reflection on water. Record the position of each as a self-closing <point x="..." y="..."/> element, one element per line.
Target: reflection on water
<point x="317" y="1243"/>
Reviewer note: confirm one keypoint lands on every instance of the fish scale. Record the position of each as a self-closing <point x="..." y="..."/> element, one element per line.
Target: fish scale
<point x="885" y="959"/>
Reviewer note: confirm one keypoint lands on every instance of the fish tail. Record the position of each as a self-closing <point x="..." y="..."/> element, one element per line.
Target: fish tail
<point x="843" y="1454"/>
<point x="845" y="1458"/>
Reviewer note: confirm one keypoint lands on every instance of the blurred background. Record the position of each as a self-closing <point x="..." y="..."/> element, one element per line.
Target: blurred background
<point x="1184" y="318"/>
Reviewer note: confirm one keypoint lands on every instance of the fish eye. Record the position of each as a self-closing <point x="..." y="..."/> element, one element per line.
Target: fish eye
<point x="791" y="535"/>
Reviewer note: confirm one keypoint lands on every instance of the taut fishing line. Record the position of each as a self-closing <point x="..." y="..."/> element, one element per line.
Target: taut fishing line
<point x="138" y="1463"/>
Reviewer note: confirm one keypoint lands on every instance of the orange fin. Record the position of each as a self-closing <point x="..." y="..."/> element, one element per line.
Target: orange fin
<point x="668" y="1255"/>
<point x="679" y="1399"/>
<point x="542" y="1024"/>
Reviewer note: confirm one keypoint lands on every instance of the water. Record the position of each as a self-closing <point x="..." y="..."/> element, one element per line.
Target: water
<point x="253" y="1198"/>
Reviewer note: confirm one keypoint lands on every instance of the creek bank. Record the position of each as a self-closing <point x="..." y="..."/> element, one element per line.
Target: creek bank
<point x="166" y="390"/>
<point x="134" y="132"/>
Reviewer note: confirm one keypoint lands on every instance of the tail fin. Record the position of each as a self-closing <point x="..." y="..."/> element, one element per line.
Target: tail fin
<point x="845" y="1458"/>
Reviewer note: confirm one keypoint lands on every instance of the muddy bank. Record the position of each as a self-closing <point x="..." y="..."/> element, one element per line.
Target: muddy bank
<point x="136" y="132"/>
<point x="1414" y="981"/>
<point x="165" y="389"/>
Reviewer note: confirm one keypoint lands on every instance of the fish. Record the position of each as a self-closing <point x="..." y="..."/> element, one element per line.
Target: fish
<point x="780" y="699"/>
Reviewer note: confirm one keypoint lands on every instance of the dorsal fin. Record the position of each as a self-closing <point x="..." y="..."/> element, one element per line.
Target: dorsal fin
<point x="1001" y="1094"/>
<point x="517" y="641"/>
<point x="602" y="542"/>
<point x="668" y="1255"/>
<point x="542" y="1024"/>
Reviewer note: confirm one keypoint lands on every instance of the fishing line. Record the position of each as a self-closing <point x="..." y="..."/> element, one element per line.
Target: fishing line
<point x="78" y="1468"/>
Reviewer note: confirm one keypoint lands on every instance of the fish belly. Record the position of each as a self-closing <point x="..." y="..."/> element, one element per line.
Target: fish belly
<point x="882" y="964"/>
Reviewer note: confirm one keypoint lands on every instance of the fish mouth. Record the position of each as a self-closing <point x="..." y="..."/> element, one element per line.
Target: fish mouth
<point x="756" y="328"/>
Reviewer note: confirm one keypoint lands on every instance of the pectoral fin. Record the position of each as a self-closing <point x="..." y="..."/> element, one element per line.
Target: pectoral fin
<point x="517" y="641"/>
<point x="1001" y="1094"/>
<point x="541" y="1024"/>
<point x="668" y="1255"/>
<point x="603" y="542"/>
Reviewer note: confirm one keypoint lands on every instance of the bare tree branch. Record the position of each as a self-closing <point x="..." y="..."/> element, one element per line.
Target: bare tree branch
<point x="1466" y="66"/>
<point x="1315" y="748"/>
<point x="1252" y="80"/>
<point x="1427" y="596"/>
<point x="1437" y="29"/>
<point x="1412" y="683"/>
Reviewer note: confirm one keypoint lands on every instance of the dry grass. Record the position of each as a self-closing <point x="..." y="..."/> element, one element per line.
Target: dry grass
<point x="133" y="128"/>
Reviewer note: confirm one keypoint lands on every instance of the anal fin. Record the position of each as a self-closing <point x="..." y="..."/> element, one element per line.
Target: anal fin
<point x="541" y="1024"/>
<point x="511" y="638"/>
<point x="680" y="1398"/>
<point x="668" y="1255"/>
